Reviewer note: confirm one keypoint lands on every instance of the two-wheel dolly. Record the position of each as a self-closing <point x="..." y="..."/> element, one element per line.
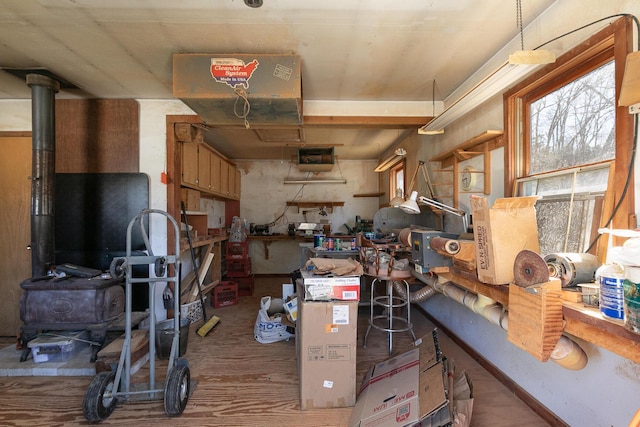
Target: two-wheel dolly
<point x="109" y="387"/>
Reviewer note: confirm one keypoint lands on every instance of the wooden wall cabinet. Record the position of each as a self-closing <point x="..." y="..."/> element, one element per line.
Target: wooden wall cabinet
<point x="189" y="165"/>
<point x="203" y="169"/>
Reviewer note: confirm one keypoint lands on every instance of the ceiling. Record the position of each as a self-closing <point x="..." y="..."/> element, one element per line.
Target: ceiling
<point x="363" y="55"/>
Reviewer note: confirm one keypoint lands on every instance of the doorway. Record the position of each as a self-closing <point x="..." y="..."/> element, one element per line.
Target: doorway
<point x="15" y="227"/>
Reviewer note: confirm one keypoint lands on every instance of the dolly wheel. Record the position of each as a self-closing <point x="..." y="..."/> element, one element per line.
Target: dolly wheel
<point x="118" y="268"/>
<point x="99" y="402"/>
<point x="176" y="390"/>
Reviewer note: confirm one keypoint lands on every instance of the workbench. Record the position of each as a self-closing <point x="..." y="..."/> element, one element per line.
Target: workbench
<point x="581" y="321"/>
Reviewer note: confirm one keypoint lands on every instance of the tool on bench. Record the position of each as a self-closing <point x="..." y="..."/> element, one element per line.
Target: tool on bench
<point x="208" y="324"/>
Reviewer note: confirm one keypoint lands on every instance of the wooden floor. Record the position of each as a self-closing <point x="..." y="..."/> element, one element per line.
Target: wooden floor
<point x="240" y="382"/>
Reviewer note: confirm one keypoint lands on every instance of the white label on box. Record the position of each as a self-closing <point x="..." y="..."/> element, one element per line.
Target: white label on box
<point x="327" y="384"/>
<point x="338" y="352"/>
<point x="341" y="314"/>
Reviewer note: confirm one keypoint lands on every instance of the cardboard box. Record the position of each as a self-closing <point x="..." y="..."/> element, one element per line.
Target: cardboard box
<point x="500" y="233"/>
<point x="326" y="342"/>
<point x="403" y="390"/>
<point x="330" y="287"/>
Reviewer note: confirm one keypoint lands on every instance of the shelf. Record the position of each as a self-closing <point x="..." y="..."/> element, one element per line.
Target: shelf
<point x="369" y="194"/>
<point x="580" y="321"/>
<point x="476" y="146"/>
<point x="328" y="205"/>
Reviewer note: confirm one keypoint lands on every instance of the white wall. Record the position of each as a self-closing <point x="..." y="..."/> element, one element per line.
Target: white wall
<point x="605" y="392"/>
<point x="264" y="197"/>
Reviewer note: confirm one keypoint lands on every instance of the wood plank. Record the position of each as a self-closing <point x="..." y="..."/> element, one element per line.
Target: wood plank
<point x="471" y="143"/>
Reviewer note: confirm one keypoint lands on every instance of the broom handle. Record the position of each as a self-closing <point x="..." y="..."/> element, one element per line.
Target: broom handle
<point x="193" y="260"/>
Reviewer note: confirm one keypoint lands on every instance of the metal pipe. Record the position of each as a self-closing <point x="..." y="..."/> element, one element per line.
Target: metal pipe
<point x="567" y="353"/>
<point x="43" y="90"/>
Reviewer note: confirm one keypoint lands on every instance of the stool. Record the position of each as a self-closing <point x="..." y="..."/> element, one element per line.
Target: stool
<point x="384" y="279"/>
<point x="388" y="322"/>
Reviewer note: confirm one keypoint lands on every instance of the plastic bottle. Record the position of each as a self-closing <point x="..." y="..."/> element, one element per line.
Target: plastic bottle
<point x="610" y="277"/>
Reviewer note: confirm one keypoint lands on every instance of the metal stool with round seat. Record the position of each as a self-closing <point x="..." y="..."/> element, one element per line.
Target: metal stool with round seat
<point x="378" y="261"/>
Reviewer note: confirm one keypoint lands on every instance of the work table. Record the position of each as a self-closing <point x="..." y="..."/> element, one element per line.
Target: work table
<point x="268" y="239"/>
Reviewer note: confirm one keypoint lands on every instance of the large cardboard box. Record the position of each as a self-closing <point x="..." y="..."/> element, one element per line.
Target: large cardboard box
<point x="330" y="287"/>
<point x="326" y="341"/>
<point x="500" y="233"/>
<point x="404" y="390"/>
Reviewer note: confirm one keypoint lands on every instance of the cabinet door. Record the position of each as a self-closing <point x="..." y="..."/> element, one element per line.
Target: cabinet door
<point x="214" y="167"/>
<point x="236" y="188"/>
<point x="232" y="181"/>
<point x="189" y="164"/>
<point x="224" y="178"/>
<point x="204" y="173"/>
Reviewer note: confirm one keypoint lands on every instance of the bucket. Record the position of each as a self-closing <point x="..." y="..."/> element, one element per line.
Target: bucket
<point x="610" y="277"/>
<point x="164" y="337"/>
<point x="631" y="286"/>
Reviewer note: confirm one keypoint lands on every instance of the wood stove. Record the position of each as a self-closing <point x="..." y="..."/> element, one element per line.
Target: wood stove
<point x="71" y="303"/>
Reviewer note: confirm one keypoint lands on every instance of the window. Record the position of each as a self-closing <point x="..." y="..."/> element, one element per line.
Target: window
<point x="396" y="180"/>
<point x="574" y="124"/>
<point x="563" y="131"/>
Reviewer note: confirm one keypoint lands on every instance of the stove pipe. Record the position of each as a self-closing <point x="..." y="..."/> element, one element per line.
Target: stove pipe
<point x="43" y="90"/>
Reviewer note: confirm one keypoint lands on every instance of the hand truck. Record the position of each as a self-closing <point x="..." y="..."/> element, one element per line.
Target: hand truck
<point x="109" y="387"/>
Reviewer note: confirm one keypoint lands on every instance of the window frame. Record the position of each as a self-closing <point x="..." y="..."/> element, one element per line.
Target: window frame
<point x="613" y="42"/>
<point x="393" y="182"/>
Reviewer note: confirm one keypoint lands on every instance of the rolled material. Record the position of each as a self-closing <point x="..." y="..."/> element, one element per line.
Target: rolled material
<point x="442" y="244"/>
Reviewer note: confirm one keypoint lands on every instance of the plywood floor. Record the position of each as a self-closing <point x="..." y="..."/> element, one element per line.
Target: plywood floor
<point x="241" y="382"/>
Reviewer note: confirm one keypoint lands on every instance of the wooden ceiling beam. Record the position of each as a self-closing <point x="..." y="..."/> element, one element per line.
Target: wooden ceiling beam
<point x="395" y="122"/>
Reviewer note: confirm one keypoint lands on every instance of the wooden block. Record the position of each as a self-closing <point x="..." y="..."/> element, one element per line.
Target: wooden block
<point x="466" y="258"/>
<point x="185" y="132"/>
<point x="111" y="353"/>
<point x="571" y="295"/>
<point x="535" y="318"/>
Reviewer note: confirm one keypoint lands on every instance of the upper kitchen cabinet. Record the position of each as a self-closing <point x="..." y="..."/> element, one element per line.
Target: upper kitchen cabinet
<point x="203" y="168"/>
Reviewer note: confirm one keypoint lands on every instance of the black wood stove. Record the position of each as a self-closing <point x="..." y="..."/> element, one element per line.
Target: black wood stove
<point x="71" y="303"/>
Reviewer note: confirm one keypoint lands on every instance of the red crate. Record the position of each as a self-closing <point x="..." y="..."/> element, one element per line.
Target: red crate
<point x="237" y="250"/>
<point x="225" y="294"/>
<point x="245" y="285"/>
<point x="239" y="268"/>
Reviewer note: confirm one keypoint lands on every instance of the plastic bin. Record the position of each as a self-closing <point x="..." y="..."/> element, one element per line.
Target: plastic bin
<point x="58" y="348"/>
<point x="164" y="337"/>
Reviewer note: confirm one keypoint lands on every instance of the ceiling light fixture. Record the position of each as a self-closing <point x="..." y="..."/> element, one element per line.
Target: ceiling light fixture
<point x="398" y="154"/>
<point x="496" y="82"/>
<point x="528" y="57"/>
<point x="253" y="3"/>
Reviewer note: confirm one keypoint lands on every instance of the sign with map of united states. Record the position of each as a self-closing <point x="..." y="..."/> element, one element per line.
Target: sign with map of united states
<point x="233" y="72"/>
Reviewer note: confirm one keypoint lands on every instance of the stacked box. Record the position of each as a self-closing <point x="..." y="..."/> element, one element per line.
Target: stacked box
<point x="225" y="294"/>
<point x="239" y="268"/>
<point x="245" y="285"/>
<point x="237" y="250"/>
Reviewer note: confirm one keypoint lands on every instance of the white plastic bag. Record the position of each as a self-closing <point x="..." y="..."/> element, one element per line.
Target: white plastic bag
<point x="269" y="329"/>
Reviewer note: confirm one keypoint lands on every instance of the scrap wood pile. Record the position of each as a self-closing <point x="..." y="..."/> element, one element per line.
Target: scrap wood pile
<point x="189" y="291"/>
<point x="338" y="267"/>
